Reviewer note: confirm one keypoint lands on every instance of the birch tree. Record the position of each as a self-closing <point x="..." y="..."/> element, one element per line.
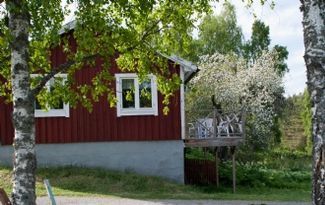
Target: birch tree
<point x="314" y="40"/>
<point x="135" y="30"/>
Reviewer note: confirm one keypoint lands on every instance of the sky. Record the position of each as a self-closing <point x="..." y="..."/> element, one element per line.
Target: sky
<point x="285" y="29"/>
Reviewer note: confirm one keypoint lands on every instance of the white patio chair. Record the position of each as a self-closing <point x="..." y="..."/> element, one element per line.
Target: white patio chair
<point x="205" y="128"/>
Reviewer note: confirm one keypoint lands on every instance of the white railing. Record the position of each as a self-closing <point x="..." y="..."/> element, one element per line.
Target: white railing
<point x="217" y="124"/>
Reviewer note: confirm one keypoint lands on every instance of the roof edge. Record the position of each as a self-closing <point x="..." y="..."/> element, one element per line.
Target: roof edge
<point x="68" y="27"/>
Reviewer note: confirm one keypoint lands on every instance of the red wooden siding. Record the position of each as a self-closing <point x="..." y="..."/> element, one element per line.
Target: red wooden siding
<point x="102" y="124"/>
<point x="6" y="128"/>
<point x="199" y="171"/>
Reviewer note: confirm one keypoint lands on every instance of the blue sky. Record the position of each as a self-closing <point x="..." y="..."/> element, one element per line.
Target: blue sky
<point x="285" y="29"/>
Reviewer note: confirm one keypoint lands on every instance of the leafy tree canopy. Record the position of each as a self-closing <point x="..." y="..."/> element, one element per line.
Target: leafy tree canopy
<point x="217" y="33"/>
<point x="260" y="41"/>
<point x="135" y="30"/>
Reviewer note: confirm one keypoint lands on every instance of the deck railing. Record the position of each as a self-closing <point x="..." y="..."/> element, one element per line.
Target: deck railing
<point x="217" y="124"/>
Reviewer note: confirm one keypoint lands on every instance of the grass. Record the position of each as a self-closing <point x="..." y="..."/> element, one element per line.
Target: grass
<point x="76" y="181"/>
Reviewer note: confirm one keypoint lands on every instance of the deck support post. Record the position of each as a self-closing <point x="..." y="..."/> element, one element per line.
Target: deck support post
<point x="233" y="149"/>
<point x="217" y="166"/>
<point x="214" y="123"/>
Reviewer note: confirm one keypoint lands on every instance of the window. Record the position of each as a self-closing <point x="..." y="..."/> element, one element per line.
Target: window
<point x="60" y="109"/>
<point x="135" y="97"/>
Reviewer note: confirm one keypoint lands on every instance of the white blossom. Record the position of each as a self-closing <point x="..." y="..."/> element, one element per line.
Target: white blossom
<point x="237" y="85"/>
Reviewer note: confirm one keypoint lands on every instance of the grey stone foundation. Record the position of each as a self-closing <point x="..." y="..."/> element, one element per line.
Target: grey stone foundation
<point x="154" y="158"/>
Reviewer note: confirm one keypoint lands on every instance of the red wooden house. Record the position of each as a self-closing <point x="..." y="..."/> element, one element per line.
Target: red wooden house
<point x="134" y="136"/>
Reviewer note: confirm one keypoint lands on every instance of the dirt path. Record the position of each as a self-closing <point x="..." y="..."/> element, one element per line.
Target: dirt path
<point x="125" y="201"/>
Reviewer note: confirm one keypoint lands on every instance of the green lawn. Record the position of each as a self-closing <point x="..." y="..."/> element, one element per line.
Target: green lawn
<point x="75" y="181"/>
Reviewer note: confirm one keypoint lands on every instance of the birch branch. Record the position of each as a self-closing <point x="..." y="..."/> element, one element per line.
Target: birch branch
<point x="61" y="68"/>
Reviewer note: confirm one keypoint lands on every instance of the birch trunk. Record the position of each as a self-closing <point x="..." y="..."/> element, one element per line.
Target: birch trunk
<point x="24" y="161"/>
<point x="314" y="39"/>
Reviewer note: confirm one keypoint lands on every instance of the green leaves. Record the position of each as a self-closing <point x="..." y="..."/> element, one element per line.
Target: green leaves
<point x="217" y="33"/>
<point x="132" y="32"/>
<point x="260" y="42"/>
<point x="306" y="115"/>
<point x="5" y="84"/>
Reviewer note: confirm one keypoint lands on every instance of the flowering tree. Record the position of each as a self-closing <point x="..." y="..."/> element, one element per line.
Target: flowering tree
<point x="237" y="85"/>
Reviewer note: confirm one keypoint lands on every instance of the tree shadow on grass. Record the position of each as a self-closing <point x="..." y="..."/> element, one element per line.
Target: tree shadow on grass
<point x="96" y="181"/>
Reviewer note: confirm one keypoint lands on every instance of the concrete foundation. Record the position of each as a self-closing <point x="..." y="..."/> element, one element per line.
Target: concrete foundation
<point x="155" y="158"/>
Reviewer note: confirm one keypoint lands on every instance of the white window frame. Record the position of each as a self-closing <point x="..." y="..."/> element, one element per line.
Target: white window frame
<point x="137" y="110"/>
<point x="65" y="112"/>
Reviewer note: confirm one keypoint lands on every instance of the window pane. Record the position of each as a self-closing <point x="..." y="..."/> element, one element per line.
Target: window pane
<point x="56" y="105"/>
<point x="145" y="94"/>
<point x="128" y="96"/>
<point x="37" y="105"/>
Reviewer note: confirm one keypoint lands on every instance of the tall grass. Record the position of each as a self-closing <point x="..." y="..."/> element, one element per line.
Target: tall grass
<point x="79" y="181"/>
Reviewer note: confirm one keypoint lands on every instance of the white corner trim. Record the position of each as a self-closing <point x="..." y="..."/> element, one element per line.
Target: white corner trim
<point x="137" y="111"/>
<point x="182" y="104"/>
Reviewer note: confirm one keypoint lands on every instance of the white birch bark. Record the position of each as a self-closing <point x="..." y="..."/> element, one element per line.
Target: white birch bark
<point x="24" y="160"/>
<point x="314" y="40"/>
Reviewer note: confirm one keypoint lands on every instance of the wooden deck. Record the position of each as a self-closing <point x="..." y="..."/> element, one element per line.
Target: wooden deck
<point x="214" y="142"/>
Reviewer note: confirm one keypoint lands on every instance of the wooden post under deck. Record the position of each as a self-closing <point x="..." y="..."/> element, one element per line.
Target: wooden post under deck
<point x="214" y="123"/>
<point x="217" y="167"/>
<point x="233" y="169"/>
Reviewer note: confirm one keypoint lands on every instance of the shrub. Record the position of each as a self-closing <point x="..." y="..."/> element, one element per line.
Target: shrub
<point x="260" y="176"/>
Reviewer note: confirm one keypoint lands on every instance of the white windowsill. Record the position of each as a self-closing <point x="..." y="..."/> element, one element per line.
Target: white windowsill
<point x="53" y="112"/>
<point x="134" y="112"/>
